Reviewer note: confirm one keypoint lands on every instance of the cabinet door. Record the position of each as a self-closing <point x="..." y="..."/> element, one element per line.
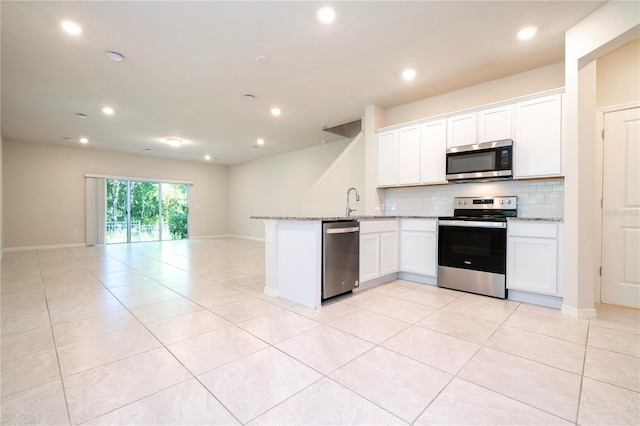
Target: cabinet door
<point x="461" y="130"/>
<point x="388" y="253"/>
<point x="494" y="124"/>
<point x="369" y="256"/>
<point x="532" y="264"/>
<point x="537" y="144"/>
<point x="433" y="149"/>
<point x="409" y="155"/>
<point x="387" y="158"/>
<point x="418" y="251"/>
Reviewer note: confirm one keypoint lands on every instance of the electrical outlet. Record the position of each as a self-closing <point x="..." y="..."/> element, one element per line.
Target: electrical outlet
<point x="544" y="198"/>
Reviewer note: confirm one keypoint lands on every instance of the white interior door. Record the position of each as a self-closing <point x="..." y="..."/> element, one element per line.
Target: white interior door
<point x="621" y="212"/>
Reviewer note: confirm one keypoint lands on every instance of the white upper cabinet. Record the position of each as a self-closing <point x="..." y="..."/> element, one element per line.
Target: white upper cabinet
<point x="415" y="154"/>
<point x="409" y="155"/>
<point x="387" y="173"/>
<point x="433" y="146"/>
<point x="495" y="124"/>
<point x="462" y="130"/>
<point x="537" y="143"/>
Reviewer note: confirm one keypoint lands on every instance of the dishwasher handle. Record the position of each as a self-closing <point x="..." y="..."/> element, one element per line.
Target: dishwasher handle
<point x="343" y="230"/>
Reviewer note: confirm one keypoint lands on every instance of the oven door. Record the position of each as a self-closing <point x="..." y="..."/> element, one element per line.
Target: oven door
<point x="473" y="245"/>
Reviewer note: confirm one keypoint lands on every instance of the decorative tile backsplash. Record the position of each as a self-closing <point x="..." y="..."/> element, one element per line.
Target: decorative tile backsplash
<point x="536" y="198"/>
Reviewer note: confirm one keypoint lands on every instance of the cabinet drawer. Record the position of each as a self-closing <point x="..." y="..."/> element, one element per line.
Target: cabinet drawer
<point x="368" y="226"/>
<point x="532" y="229"/>
<point x="426" y="225"/>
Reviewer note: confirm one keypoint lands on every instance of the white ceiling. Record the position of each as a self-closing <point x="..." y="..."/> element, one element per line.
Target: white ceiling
<point x="188" y="64"/>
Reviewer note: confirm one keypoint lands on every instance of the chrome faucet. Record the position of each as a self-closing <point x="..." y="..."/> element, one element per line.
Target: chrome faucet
<point x="349" y="209"/>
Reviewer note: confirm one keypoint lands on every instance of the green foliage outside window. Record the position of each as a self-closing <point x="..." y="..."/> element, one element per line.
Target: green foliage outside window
<point x="178" y="226"/>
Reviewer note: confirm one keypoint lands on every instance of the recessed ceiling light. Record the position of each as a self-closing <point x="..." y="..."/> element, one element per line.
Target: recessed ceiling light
<point x="115" y="56"/>
<point x="71" y="27"/>
<point x="108" y="110"/>
<point x="248" y="97"/>
<point x="262" y="59"/>
<point x="81" y="115"/>
<point x="260" y="142"/>
<point x="84" y="140"/>
<point x="309" y="79"/>
<point x="527" y="33"/>
<point x="174" y="142"/>
<point x="276" y="111"/>
<point x="326" y="15"/>
<point x="207" y="157"/>
<point x="409" y="74"/>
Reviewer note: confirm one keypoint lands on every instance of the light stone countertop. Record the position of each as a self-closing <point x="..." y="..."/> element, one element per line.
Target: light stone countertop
<point x="330" y="218"/>
<point x="536" y="219"/>
<point x="365" y="217"/>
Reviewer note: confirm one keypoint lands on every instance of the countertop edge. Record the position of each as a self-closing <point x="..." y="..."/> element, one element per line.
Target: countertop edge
<point x="362" y="218"/>
<point x="536" y="219"/>
<point x="328" y="218"/>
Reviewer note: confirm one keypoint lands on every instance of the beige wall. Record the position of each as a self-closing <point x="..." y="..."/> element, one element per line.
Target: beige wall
<point x="328" y="196"/>
<point x="275" y="186"/>
<point x="1" y="204"/>
<point x="618" y="76"/>
<point x="44" y="192"/>
<point x="536" y="80"/>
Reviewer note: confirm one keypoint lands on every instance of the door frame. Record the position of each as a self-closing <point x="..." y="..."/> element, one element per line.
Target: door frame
<point x="600" y="187"/>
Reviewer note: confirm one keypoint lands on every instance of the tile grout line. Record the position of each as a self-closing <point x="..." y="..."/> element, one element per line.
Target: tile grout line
<point x="584" y="362"/>
<point x="55" y="347"/>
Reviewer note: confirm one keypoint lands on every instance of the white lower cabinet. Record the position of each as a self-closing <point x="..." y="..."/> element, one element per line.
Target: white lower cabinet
<point x="532" y="257"/>
<point x="378" y="248"/>
<point x="388" y="253"/>
<point x="369" y="256"/>
<point x="419" y="246"/>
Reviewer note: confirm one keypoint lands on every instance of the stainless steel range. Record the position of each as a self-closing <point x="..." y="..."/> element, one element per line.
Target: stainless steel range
<point x="472" y="245"/>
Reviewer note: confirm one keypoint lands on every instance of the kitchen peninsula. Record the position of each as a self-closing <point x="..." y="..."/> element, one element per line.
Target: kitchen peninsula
<point x="293" y="253"/>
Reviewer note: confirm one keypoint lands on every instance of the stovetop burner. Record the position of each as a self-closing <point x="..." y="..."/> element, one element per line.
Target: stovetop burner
<point x="487" y="209"/>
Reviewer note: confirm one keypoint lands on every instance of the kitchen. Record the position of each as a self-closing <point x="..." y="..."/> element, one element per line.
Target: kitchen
<point x="535" y="120"/>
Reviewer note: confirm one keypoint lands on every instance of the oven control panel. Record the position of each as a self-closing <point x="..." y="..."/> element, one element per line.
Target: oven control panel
<point x="497" y="203"/>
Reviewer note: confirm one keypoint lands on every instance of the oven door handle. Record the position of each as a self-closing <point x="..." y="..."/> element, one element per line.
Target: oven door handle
<point x="472" y="224"/>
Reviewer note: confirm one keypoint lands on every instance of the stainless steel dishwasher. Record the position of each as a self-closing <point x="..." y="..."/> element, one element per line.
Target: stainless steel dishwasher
<point x="340" y="257"/>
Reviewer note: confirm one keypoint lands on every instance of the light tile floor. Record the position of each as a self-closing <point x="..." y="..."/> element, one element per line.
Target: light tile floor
<point x="181" y="333"/>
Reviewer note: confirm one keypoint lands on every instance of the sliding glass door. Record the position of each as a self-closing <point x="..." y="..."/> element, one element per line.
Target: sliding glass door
<point x="146" y="211"/>
<point x="117" y="211"/>
<point x="175" y="199"/>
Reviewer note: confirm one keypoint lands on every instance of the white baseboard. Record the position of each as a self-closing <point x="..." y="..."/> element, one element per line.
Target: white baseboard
<point x="376" y="281"/>
<point x="423" y="279"/>
<point x="45" y="247"/>
<point x="579" y="313"/>
<point x="535" y="299"/>
<point x="273" y="292"/>
<point x="242" y="237"/>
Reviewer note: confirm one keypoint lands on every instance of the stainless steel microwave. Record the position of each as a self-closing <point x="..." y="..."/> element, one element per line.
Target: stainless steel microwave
<point x="484" y="161"/>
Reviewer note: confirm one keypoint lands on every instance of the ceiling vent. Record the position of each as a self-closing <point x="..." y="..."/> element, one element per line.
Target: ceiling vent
<point x="348" y="130"/>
